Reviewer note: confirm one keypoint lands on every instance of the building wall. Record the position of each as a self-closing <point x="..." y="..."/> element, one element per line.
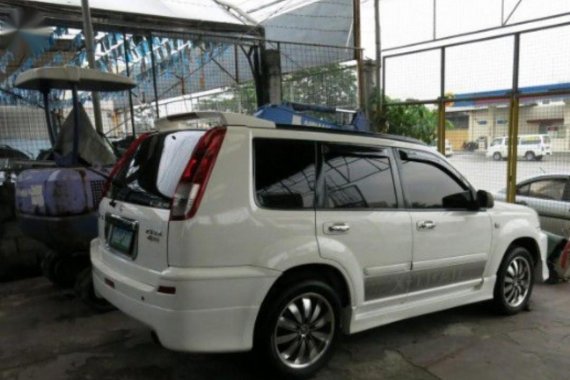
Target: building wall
<point x="492" y="122"/>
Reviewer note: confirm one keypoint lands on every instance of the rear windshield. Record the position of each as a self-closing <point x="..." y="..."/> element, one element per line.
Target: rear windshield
<point x="150" y="177"/>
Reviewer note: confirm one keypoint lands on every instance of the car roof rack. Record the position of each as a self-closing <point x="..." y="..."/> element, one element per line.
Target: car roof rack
<point x="386" y="136"/>
<point x="225" y="119"/>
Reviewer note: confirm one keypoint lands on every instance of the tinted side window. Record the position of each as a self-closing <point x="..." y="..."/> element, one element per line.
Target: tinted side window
<point x="284" y="172"/>
<point x="551" y="189"/>
<point x="357" y="177"/>
<point x="426" y="183"/>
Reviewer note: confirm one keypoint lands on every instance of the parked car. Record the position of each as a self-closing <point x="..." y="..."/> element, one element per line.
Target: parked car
<point x="448" y="148"/>
<point x="549" y="195"/>
<point x="530" y="147"/>
<point x="278" y="238"/>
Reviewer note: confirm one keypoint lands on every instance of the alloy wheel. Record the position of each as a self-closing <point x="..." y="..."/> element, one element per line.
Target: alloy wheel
<point x="517" y="281"/>
<point x="304" y="331"/>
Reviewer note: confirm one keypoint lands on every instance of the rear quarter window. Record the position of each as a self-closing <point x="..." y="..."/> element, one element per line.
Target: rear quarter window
<point x="151" y="175"/>
<point x="284" y="173"/>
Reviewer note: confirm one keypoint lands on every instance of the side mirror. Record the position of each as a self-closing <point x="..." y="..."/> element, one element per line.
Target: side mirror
<point x="462" y="200"/>
<point x="485" y="199"/>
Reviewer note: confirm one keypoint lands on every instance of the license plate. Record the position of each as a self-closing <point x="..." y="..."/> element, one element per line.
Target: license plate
<point x="121" y="235"/>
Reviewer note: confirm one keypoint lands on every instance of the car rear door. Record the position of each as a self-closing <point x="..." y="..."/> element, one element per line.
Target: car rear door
<point x="451" y="244"/>
<point x="359" y="223"/>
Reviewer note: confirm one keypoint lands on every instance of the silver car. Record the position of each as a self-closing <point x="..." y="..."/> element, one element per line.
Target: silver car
<point x="549" y="195"/>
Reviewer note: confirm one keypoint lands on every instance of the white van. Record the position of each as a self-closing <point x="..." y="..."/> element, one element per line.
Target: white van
<point x="279" y="238"/>
<point x="531" y="147"/>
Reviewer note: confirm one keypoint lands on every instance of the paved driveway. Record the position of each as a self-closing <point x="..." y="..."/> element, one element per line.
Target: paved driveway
<point x="47" y="334"/>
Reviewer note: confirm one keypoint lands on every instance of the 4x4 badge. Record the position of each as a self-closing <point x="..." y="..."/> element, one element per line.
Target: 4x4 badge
<point x="153" y="235"/>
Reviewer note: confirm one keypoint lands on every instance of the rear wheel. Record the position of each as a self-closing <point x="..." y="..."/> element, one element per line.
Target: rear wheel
<point x="296" y="332"/>
<point x="515" y="280"/>
<point x="497" y="156"/>
<point x="530" y="156"/>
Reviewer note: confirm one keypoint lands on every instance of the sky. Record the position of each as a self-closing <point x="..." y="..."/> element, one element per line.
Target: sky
<point x="477" y="67"/>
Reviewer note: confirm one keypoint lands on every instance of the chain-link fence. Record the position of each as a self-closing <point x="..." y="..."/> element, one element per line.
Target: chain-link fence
<point x="505" y="102"/>
<point x="174" y="73"/>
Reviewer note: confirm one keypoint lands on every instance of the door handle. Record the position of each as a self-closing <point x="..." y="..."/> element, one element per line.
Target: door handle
<point x="337" y="228"/>
<point x="425" y="225"/>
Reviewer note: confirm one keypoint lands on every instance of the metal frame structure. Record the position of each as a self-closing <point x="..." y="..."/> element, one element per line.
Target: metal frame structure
<point x="513" y="96"/>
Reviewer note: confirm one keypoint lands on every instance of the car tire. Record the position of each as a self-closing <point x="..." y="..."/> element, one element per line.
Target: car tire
<point x="497" y="156"/>
<point x="530" y="156"/>
<point x="515" y="281"/>
<point x="297" y="330"/>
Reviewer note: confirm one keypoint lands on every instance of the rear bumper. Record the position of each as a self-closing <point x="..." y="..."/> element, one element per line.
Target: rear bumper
<point x="213" y="309"/>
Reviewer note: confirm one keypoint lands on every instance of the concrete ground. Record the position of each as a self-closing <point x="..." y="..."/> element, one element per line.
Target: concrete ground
<point x="46" y="333"/>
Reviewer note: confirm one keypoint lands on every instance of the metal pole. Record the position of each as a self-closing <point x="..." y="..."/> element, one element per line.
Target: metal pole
<point x="378" y="56"/>
<point x="75" y="149"/>
<point x="441" y="107"/>
<point x="513" y="125"/>
<point x="51" y="131"/>
<point x="434" y="19"/>
<point x="90" y="50"/>
<point x="236" y="64"/>
<point x="154" y="85"/>
<point x="358" y="54"/>
<point x="131" y="106"/>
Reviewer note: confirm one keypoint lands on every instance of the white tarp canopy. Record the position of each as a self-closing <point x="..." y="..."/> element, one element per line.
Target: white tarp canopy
<point x="308" y="21"/>
<point x="205" y="10"/>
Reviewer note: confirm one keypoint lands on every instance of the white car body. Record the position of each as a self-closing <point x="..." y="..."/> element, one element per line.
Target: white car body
<point x="531" y="147"/>
<point x="199" y="283"/>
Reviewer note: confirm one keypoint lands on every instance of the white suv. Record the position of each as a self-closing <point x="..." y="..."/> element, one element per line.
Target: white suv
<point x="278" y="238"/>
<point x="531" y="147"/>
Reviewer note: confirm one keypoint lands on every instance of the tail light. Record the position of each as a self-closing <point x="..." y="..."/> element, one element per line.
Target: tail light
<point x="190" y="189"/>
<point x="121" y="162"/>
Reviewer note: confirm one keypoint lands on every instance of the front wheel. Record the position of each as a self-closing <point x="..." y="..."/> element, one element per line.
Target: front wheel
<point x="497" y="156"/>
<point x="515" y="280"/>
<point x="297" y="330"/>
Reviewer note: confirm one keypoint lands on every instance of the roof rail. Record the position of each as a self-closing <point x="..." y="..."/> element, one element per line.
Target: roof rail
<point x="224" y="118"/>
<point x="387" y="136"/>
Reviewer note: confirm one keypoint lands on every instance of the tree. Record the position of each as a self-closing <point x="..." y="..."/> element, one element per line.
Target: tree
<point x="332" y="85"/>
<point x="412" y="120"/>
